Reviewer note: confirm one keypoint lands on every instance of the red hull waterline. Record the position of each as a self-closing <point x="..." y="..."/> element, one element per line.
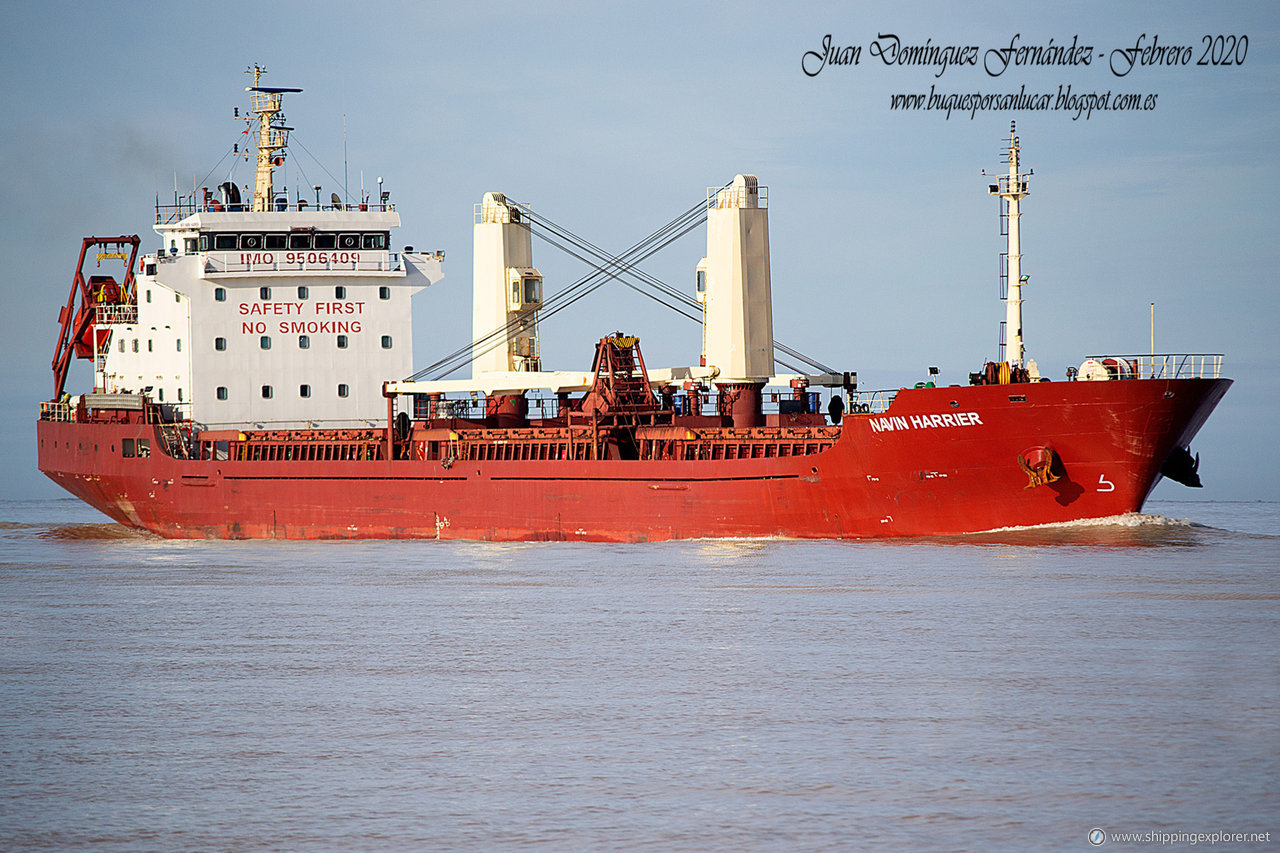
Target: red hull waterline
<point x="938" y="461"/>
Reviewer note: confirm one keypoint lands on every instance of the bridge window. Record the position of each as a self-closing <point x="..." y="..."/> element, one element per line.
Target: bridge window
<point x="275" y="241"/>
<point x="349" y="241"/>
<point x="300" y="241"/>
<point x="374" y="241"/>
<point x="224" y="241"/>
<point x="326" y="241"/>
<point x="204" y="242"/>
<point x="250" y="241"/>
<point x="189" y="245"/>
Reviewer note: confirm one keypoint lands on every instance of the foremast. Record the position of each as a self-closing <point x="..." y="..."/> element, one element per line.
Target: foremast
<point x="1012" y="188"/>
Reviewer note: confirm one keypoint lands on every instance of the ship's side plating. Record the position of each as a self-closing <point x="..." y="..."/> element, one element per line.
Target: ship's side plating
<point x="937" y="461"/>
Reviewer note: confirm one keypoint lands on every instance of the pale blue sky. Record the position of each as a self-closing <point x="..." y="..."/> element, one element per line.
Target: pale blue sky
<point x="610" y="121"/>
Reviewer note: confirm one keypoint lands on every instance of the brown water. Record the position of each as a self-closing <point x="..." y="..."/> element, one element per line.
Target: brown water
<point x="1003" y="692"/>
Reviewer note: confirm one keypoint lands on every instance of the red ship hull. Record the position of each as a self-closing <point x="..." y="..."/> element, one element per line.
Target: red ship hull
<point x="938" y="461"/>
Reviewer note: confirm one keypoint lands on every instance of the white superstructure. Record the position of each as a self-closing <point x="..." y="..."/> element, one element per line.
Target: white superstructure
<point x="265" y="313"/>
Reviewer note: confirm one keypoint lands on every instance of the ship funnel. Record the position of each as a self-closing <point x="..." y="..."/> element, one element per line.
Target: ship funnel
<point x="738" y="303"/>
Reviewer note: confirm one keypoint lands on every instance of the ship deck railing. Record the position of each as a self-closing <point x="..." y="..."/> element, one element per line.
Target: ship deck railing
<point x="309" y="260"/>
<point x="475" y="408"/>
<point x="116" y="314"/>
<point x="186" y="206"/>
<point x="55" y="411"/>
<point x="1165" y="365"/>
<point x="862" y="402"/>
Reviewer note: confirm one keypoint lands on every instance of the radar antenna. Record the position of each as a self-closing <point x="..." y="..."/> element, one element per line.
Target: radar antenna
<point x="272" y="136"/>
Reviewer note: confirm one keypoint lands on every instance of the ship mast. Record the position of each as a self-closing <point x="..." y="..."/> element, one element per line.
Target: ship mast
<point x="1012" y="188"/>
<point x="265" y="108"/>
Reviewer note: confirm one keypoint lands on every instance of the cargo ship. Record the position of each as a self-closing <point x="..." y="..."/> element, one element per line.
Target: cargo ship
<point x="254" y="378"/>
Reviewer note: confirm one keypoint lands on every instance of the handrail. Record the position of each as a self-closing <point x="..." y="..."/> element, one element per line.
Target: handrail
<point x="1166" y="365"/>
<point x="312" y="260"/>
<point x="166" y="213"/>
<point x="871" y="401"/>
<point x="115" y="314"/>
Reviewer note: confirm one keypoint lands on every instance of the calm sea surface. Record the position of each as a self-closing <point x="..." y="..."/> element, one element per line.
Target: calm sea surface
<point x="1008" y="691"/>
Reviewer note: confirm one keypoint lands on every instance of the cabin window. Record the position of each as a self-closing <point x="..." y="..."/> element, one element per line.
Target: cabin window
<point x="189" y="245"/>
<point x="264" y="293"/>
<point x="250" y="241"/>
<point x="303" y="293"/>
<point x="349" y="241"/>
<point x="161" y="395"/>
<point x="339" y="292"/>
<point x="275" y="241"/>
<point x="122" y="345"/>
<point x="127" y="448"/>
<point x="265" y="342"/>
<point x="374" y="241"/>
<point x="224" y="241"/>
<point x="219" y="294"/>
<point x="342" y="341"/>
<point x="148" y="295"/>
<point x="531" y="289"/>
<point x="384" y="292"/>
<point x="343" y="390"/>
<point x="177" y="297"/>
<point x="135" y="344"/>
<point x="222" y="392"/>
<point x="300" y="241"/>
<point x="325" y="241"/>
<point x="144" y="448"/>
<point x="304" y="390"/>
<point x="304" y="342"/>
<point x="386" y="342"/>
<point x="179" y="395"/>
<point x="220" y="344"/>
<point x="179" y="342"/>
<point x="151" y="346"/>
<point x="266" y="392"/>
